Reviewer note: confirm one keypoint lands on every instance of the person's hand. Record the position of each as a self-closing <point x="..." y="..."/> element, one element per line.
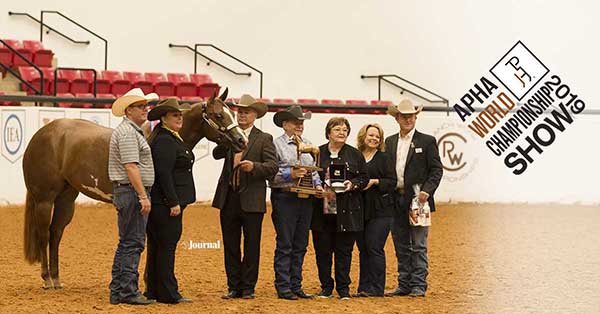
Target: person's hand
<point x="423" y="196"/>
<point x="319" y="192"/>
<point x="175" y="210"/>
<point x="246" y="165"/>
<point x="298" y="172"/>
<point x="371" y="183"/>
<point x="145" y="202"/>
<point x="348" y="185"/>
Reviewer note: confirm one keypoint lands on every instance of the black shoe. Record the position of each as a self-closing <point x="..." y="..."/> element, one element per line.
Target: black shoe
<point x="398" y="292"/>
<point x="288" y="295"/>
<point x="362" y="294"/>
<point x="325" y="294"/>
<point x="114" y="299"/>
<point x="417" y="293"/>
<point x="137" y="300"/>
<point x="303" y="295"/>
<point x="184" y="300"/>
<point x="248" y="295"/>
<point x="344" y="295"/>
<point x="233" y="294"/>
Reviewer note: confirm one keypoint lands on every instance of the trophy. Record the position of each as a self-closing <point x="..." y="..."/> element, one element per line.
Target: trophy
<point x="305" y="186"/>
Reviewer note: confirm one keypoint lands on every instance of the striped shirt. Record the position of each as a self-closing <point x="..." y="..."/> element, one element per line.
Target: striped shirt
<point x="128" y="145"/>
<point x="287" y="157"/>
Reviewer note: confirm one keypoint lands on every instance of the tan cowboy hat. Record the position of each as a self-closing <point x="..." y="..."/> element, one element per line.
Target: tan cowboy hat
<point x="131" y="97"/>
<point x="404" y="107"/>
<point x="164" y="106"/>
<point x="248" y="101"/>
<point x="292" y="112"/>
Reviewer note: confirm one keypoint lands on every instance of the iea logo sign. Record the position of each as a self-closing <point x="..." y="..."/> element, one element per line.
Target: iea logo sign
<point x="13" y="134"/>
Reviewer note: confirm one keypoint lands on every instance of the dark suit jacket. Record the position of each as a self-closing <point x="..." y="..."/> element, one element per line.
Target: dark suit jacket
<point x="423" y="168"/>
<point x="253" y="187"/>
<point x="173" y="161"/>
<point x="379" y="199"/>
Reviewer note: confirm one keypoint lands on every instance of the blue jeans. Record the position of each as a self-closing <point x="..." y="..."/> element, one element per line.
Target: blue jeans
<point x="371" y="245"/>
<point x="132" y="235"/>
<point x="291" y="218"/>
<point x="410" y="244"/>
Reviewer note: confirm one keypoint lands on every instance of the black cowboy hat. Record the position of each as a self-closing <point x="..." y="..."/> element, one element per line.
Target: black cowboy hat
<point x="292" y="112"/>
<point x="164" y="106"/>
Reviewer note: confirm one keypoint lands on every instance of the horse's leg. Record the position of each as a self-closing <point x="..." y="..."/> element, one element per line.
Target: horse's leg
<point x="64" y="207"/>
<point x="43" y="215"/>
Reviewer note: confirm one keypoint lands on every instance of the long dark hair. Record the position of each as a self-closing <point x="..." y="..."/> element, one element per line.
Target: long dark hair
<point x="154" y="133"/>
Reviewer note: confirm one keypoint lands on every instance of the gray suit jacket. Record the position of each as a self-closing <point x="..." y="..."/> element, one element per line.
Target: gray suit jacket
<point x="253" y="187"/>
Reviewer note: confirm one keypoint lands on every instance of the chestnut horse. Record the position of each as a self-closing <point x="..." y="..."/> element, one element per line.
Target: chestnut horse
<point x="69" y="156"/>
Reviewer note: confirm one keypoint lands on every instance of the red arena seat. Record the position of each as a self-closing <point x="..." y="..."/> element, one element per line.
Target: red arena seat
<point x="332" y="102"/>
<point x="160" y="84"/>
<point x="6" y="55"/>
<point x="8" y="103"/>
<point x="208" y="89"/>
<point x="106" y="96"/>
<point x="357" y="102"/>
<point x="200" y="79"/>
<point x="183" y="86"/>
<point x="308" y="101"/>
<point x="119" y="85"/>
<point x="83" y="104"/>
<point x="191" y="99"/>
<point x="65" y="104"/>
<point x="381" y="103"/>
<point x="283" y="101"/>
<point x="264" y="100"/>
<point x="138" y="80"/>
<point x="41" y="57"/>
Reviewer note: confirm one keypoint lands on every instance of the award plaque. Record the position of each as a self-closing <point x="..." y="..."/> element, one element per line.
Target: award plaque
<point x="305" y="186"/>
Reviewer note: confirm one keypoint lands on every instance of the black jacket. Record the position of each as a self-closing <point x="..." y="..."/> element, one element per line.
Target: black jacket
<point x="173" y="161"/>
<point x="253" y="186"/>
<point x="379" y="199"/>
<point x="350" y="214"/>
<point x="423" y="164"/>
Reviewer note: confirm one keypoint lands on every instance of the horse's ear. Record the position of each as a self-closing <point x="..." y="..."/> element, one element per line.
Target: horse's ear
<point x="223" y="96"/>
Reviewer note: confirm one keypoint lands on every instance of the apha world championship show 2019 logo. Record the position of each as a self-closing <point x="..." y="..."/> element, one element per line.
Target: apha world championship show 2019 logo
<point x="529" y="91"/>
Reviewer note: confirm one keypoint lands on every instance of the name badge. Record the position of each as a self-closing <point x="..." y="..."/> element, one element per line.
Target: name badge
<point x="418" y="150"/>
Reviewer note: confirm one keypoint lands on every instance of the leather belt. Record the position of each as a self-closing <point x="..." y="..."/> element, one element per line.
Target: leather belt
<point x="128" y="184"/>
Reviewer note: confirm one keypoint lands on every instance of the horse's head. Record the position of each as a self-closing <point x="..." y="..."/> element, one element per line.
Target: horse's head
<point x="223" y="126"/>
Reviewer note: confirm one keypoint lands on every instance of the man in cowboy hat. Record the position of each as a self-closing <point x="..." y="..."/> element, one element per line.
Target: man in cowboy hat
<point x="240" y="196"/>
<point x="131" y="170"/>
<point x="417" y="161"/>
<point x="291" y="215"/>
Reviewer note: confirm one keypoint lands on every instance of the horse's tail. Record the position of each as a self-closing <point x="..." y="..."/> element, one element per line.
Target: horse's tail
<point x="31" y="237"/>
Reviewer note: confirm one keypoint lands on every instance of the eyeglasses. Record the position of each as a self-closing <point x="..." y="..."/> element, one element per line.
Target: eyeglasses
<point x="140" y="106"/>
<point x="340" y="130"/>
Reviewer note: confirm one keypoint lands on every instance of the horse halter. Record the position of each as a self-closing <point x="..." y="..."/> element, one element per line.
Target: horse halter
<point x="223" y="130"/>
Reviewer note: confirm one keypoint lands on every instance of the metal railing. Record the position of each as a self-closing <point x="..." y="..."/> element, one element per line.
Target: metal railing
<point x="74" y="69"/>
<point x="383" y="77"/>
<point x="83" y="42"/>
<point x="41" y="21"/>
<point x="18" y="76"/>
<point x="210" y="60"/>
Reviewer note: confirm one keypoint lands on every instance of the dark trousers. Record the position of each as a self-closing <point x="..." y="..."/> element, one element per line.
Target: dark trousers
<point x="242" y="273"/>
<point x="410" y="244"/>
<point x="291" y="218"/>
<point x="164" y="232"/>
<point x="338" y="244"/>
<point x="132" y="235"/>
<point x="371" y="245"/>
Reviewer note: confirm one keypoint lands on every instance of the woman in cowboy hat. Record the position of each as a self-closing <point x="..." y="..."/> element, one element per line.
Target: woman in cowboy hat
<point x="173" y="190"/>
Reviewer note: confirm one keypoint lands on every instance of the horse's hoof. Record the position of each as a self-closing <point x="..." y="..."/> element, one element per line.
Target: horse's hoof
<point x="58" y="286"/>
<point x="47" y="285"/>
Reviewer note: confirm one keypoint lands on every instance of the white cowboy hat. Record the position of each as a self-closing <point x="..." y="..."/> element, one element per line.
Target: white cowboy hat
<point x="133" y="96"/>
<point x="404" y="107"/>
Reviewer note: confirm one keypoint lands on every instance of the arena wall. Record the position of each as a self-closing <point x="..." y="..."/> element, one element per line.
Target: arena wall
<point x="319" y="49"/>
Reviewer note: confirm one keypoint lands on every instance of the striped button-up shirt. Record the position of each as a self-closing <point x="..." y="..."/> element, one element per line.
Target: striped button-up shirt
<point x="287" y="157"/>
<point x="128" y="145"/>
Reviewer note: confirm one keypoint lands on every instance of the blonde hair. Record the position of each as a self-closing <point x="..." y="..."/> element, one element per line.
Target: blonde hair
<point x="362" y="134"/>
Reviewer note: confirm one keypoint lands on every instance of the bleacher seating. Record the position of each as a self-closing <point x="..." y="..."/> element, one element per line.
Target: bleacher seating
<point x="32" y="50"/>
